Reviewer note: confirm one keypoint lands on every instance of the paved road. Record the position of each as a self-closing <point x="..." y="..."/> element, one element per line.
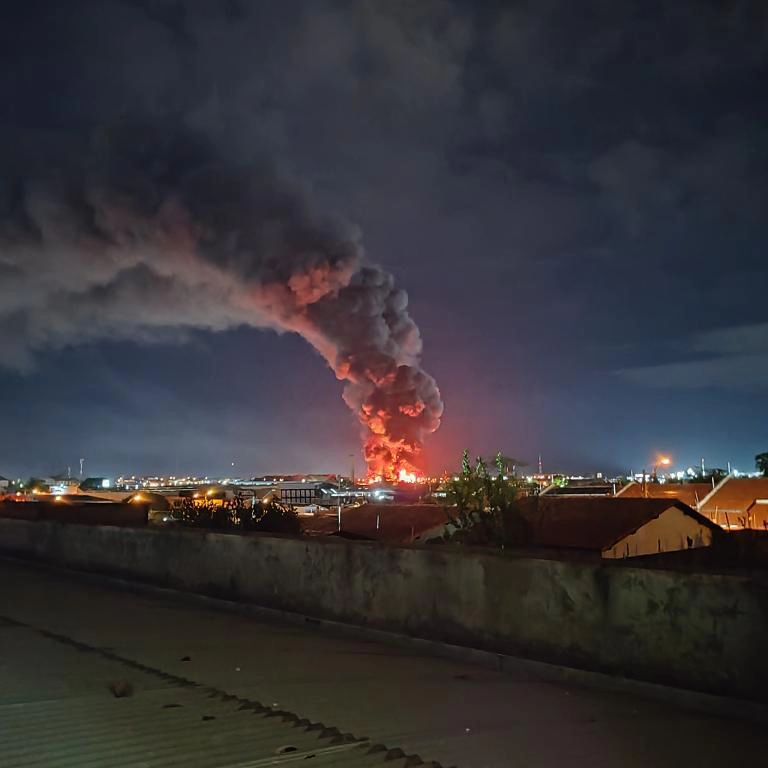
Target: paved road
<point x="64" y="640"/>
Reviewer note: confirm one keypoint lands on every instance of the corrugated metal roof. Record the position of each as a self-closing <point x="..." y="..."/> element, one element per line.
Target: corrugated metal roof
<point x="65" y="704"/>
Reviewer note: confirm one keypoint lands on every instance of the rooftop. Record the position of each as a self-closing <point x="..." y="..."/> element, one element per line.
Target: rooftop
<point x="590" y="486"/>
<point x="392" y="523"/>
<point x="736" y="494"/>
<point x="593" y="523"/>
<point x="689" y="493"/>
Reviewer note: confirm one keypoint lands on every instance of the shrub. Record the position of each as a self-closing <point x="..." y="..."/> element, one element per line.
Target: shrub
<point x="239" y="514"/>
<point x="484" y="510"/>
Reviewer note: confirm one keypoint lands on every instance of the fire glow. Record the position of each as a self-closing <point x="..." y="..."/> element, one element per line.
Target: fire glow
<point x="397" y="408"/>
<point x="405" y="476"/>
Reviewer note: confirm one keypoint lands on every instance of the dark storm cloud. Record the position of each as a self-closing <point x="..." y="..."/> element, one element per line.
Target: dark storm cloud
<point x="551" y="175"/>
<point x="733" y="359"/>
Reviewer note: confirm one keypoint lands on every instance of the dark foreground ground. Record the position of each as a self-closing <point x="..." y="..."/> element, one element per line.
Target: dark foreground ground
<point x="176" y="666"/>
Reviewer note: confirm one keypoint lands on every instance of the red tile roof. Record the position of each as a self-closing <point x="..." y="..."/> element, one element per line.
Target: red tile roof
<point x="398" y="523"/>
<point x="593" y="523"/>
<point x="736" y="495"/>
<point x="689" y="493"/>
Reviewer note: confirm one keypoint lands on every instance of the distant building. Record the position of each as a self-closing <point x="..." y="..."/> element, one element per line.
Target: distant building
<point x="63" y="485"/>
<point x="4" y="483"/>
<point x="737" y="502"/>
<point x="616" y="527"/>
<point x="303" y="493"/>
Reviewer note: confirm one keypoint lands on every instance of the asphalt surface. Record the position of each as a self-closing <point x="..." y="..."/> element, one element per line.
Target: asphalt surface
<point x="65" y="641"/>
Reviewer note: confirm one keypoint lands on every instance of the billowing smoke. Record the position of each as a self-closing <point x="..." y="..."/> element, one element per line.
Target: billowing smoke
<point x="151" y="236"/>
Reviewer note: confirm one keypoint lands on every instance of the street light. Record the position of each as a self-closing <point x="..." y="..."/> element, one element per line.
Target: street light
<point x="663" y="461"/>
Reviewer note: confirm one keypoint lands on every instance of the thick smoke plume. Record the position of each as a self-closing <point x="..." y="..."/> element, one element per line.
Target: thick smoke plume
<point x="151" y="236"/>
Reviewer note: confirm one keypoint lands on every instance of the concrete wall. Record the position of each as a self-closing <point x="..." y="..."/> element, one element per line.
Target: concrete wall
<point x="72" y="511"/>
<point x="701" y="631"/>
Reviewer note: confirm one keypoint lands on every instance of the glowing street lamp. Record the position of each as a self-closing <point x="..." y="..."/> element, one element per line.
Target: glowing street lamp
<point x="663" y="461"/>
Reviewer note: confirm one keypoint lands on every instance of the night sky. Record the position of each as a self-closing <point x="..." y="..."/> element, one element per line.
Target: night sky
<point x="572" y="194"/>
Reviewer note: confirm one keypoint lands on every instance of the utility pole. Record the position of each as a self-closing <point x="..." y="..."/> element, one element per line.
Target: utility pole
<point x="339" y="508"/>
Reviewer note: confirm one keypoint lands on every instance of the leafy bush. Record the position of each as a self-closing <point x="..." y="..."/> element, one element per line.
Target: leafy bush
<point x="239" y="514"/>
<point x="484" y="510"/>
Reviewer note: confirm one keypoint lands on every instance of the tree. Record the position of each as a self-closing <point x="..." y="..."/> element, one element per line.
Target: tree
<point x="239" y="514"/>
<point x="507" y="465"/>
<point x="36" y="484"/>
<point x="761" y="462"/>
<point x="484" y="506"/>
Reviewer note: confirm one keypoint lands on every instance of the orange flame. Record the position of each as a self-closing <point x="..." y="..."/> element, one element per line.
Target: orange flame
<point x="404" y="476"/>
